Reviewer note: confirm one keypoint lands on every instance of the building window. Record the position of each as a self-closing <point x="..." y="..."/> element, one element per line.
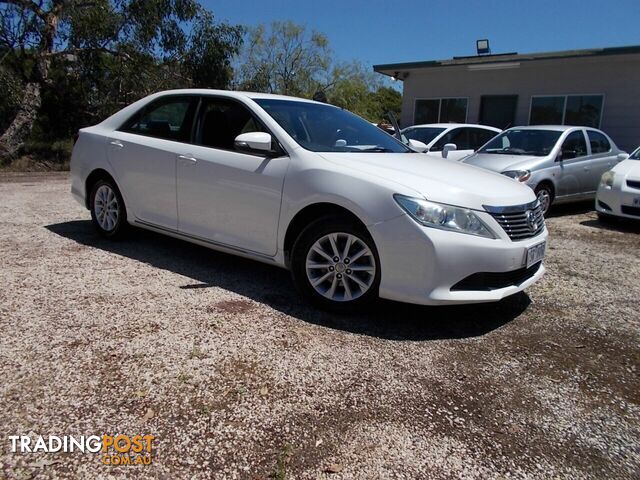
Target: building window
<point x="578" y="110"/>
<point x="440" y="110"/>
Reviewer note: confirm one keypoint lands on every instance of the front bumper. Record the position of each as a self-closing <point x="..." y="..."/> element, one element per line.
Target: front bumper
<point x="424" y="265"/>
<point x="616" y="198"/>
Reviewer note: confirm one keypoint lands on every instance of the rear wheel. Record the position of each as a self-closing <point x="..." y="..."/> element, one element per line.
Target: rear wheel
<point x="544" y="192"/>
<point x="335" y="264"/>
<point x="108" y="213"/>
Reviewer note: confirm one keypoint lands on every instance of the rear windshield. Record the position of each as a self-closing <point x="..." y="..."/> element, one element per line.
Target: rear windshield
<point x="538" y="143"/>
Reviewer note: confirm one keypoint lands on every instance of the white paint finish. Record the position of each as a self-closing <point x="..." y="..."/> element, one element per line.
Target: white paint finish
<point x="620" y="193"/>
<point x="231" y="198"/>
<point x="243" y="204"/>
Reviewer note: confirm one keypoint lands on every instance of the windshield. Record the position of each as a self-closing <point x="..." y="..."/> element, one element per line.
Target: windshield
<point x="523" y="142"/>
<point x="635" y="155"/>
<point x="423" y="134"/>
<point x="324" y="128"/>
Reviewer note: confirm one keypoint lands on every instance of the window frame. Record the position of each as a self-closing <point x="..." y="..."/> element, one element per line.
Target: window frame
<point x="278" y="151"/>
<point x="564" y="105"/>
<point x="439" y="99"/>
<point x="585" y="139"/>
<point x="162" y="99"/>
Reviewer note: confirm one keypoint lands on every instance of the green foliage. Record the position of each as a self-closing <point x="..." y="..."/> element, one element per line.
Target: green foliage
<point x="284" y="58"/>
<point x="91" y="58"/>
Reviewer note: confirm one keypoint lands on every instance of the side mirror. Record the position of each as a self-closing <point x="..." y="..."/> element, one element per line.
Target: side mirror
<point x="568" y="154"/>
<point x="253" y="142"/>
<point x="449" y="147"/>
<point x="622" y="156"/>
<point x="418" y="146"/>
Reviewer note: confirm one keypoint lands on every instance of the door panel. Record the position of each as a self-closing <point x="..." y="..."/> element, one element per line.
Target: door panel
<point x="143" y="155"/>
<point x="230" y="197"/>
<point x="146" y="169"/>
<point x="227" y="196"/>
<point x="573" y="170"/>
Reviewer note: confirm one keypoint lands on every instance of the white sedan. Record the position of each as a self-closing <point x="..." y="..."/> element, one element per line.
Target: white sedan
<point x="351" y="211"/>
<point x="619" y="190"/>
<point x="453" y="141"/>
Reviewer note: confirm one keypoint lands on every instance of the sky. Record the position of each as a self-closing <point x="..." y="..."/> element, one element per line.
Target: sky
<point x="378" y="32"/>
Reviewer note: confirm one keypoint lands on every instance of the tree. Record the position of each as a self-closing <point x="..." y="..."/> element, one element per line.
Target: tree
<point x="285" y="58"/>
<point x="108" y="51"/>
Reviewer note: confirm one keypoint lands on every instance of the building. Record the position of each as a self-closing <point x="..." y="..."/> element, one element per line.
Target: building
<point x="596" y="87"/>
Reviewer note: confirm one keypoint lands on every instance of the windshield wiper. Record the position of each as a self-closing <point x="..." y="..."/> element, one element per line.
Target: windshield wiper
<point x="377" y="148"/>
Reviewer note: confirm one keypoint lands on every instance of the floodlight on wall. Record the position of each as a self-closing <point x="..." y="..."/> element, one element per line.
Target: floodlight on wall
<point x="399" y="76"/>
<point x="482" y="46"/>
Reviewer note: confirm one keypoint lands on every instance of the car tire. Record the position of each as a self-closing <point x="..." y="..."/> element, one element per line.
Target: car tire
<point x="108" y="212"/>
<point x="335" y="264"/>
<point x="545" y="195"/>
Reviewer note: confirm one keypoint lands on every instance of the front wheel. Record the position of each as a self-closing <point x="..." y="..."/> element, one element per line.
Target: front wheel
<point x="335" y="264"/>
<point x="544" y="193"/>
<point x="108" y="212"/>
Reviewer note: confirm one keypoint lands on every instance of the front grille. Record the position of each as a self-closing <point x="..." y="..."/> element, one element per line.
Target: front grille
<point x="521" y="221"/>
<point x="627" y="210"/>
<point x="487" y="281"/>
<point x="633" y="184"/>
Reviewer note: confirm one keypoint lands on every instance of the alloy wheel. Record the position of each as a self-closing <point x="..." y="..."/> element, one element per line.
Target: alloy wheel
<point x="340" y="267"/>
<point x="106" y="208"/>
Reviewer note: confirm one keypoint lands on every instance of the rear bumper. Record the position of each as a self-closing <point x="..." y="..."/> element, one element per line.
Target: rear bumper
<point x="429" y="266"/>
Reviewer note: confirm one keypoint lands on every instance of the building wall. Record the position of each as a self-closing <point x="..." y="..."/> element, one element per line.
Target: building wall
<point x="617" y="77"/>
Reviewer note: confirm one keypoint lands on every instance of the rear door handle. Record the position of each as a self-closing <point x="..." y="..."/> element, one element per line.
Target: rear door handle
<point x="188" y="158"/>
<point x="116" y="143"/>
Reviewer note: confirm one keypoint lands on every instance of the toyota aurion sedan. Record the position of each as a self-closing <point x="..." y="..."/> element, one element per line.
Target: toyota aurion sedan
<point x="453" y="141"/>
<point x="619" y="190"/>
<point x="560" y="163"/>
<point x="351" y="211"/>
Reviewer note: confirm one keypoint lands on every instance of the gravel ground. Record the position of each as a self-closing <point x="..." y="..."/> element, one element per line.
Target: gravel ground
<point x="218" y="359"/>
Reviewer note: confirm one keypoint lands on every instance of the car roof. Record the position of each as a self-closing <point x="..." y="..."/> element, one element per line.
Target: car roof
<point x="454" y="125"/>
<point x="557" y="128"/>
<point x="231" y="94"/>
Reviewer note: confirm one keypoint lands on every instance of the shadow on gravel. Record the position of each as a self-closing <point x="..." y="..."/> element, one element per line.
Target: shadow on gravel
<point x="623" y="225"/>
<point x="576" y="208"/>
<point x="273" y="286"/>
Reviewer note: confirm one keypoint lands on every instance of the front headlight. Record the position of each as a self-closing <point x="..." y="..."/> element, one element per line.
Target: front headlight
<point x="607" y="178"/>
<point x="444" y="217"/>
<point x="520" y="175"/>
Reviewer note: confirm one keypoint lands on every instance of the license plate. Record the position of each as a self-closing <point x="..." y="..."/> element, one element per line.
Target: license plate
<point x="535" y="254"/>
<point x="636" y="202"/>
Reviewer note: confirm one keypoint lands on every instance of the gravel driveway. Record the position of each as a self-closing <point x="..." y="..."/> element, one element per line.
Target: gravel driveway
<point x="218" y="359"/>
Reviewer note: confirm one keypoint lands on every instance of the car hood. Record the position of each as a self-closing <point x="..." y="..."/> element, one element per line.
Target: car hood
<point x="499" y="162"/>
<point x="437" y="179"/>
<point x="629" y="168"/>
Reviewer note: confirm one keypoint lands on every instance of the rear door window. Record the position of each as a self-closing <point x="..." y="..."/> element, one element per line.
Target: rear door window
<point x="599" y="143"/>
<point x="169" y="118"/>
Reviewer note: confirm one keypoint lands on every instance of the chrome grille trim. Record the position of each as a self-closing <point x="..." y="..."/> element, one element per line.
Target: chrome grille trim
<point x="514" y="219"/>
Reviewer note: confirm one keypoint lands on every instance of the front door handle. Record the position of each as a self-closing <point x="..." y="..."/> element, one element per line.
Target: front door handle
<point x="116" y="143"/>
<point x="188" y="158"/>
<point x="586" y="169"/>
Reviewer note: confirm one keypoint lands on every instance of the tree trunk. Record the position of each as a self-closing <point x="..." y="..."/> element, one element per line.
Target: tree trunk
<point x="15" y="135"/>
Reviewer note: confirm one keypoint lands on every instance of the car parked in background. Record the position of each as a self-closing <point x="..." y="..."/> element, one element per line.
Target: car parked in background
<point x="560" y="163"/>
<point x="619" y="190"/>
<point x="452" y="141"/>
<point x="351" y="211"/>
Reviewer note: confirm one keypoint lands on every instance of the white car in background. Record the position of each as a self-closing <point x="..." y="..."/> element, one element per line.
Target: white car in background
<point x="619" y="190"/>
<point x="351" y="211"/>
<point x="452" y="141"/>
